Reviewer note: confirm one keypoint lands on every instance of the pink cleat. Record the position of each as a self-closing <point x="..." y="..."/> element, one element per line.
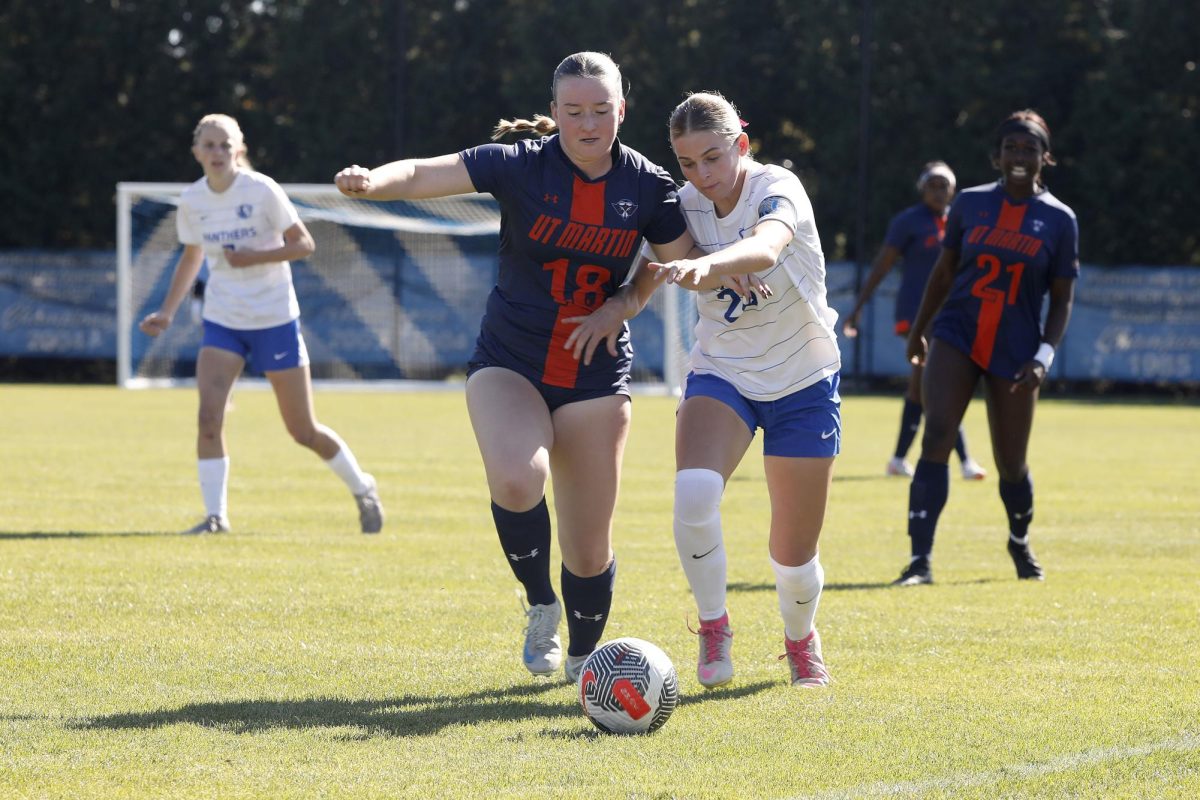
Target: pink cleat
<point x="714" y="667"/>
<point x="804" y="657"/>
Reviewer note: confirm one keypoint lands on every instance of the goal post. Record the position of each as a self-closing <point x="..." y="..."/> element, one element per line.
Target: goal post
<point x="392" y="296"/>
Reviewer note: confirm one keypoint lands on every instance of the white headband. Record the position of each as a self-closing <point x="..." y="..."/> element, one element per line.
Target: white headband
<point x="940" y="170"/>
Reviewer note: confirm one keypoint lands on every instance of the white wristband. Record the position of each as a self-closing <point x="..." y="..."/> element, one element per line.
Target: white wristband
<point x="1044" y="355"/>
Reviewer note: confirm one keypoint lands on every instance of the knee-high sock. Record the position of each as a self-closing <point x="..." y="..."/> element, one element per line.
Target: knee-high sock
<point x="698" y="537"/>
<point x="1018" y="502"/>
<point x="799" y="590"/>
<point x="525" y="537"/>
<point x="910" y="423"/>
<point x="926" y="498"/>
<point x="587" y="602"/>
<point x="214" y="485"/>
<point x="345" y="465"/>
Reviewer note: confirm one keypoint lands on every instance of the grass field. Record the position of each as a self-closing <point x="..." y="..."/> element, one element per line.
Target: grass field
<point x="297" y="658"/>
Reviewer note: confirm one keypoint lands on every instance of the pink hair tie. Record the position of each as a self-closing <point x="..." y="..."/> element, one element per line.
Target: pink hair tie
<point x="743" y="123"/>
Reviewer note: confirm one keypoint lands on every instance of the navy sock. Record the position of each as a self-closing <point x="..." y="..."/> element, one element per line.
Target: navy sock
<point x="587" y="602"/>
<point x="1018" y="502"/>
<point x="960" y="445"/>
<point x="926" y="498"/>
<point x="910" y="423"/>
<point x="525" y="537"/>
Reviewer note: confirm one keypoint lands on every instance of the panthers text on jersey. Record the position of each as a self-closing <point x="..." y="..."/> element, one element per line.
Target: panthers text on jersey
<point x="251" y="214"/>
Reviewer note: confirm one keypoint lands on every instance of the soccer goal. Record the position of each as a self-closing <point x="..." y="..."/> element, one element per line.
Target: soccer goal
<point x="393" y="295"/>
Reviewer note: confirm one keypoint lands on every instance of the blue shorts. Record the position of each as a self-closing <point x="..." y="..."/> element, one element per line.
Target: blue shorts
<point x="264" y="349"/>
<point x="804" y="424"/>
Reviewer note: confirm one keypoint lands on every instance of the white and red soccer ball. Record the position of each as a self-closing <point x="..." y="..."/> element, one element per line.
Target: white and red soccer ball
<point x="628" y="685"/>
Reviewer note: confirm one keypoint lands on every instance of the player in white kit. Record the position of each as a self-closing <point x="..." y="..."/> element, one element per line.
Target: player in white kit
<point x="766" y="356"/>
<point x="248" y="230"/>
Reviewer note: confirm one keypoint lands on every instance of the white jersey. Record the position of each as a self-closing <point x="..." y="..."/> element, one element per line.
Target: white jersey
<point x="251" y="214"/>
<point x="777" y="345"/>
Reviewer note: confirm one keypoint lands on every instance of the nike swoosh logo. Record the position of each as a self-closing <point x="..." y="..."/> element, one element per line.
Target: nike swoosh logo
<point x="702" y="555"/>
<point x="280" y="355"/>
<point x="806" y="602"/>
<point x="827" y="434"/>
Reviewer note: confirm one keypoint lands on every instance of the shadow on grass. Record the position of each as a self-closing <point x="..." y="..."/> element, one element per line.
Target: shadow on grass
<point x="721" y="693"/>
<point x="407" y="715"/>
<point x="81" y="534"/>
<point x="855" y="587"/>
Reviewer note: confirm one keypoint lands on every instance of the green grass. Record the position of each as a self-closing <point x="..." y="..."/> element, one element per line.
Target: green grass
<point x="298" y="658"/>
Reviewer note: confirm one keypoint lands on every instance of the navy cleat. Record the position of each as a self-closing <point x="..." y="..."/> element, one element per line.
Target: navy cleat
<point x="917" y="573"/>
<point x="1027" y="566"/>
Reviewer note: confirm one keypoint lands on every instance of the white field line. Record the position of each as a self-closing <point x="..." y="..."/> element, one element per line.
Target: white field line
<point x="1101" y="755"/>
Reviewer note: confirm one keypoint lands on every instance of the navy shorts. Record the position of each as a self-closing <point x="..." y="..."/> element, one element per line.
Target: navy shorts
<point x="264" y="349"/>
<point x="555" y="397"/>
<point x="804" y="424"/>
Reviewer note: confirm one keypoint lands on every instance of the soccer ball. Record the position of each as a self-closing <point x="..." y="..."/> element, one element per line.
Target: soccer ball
<point x="628" y="686"/>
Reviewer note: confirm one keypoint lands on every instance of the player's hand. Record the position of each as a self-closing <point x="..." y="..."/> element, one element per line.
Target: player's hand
<point x="1029" y="377"/>
<point x="850" y="326"/>
<point x="155" y="323"/>
<point x="746" y="285"/>
<point x="353" y="181"/>
<point x="605" y="324"/>
<point x="687" y="273"/>
<point x="917" y="348"/>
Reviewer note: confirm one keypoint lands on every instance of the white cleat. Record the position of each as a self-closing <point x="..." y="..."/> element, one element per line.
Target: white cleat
<point x="972" y="470"/>
<point x="370" y="510"/>
<point x="542" y="654"/>
<point x="572" y="666"/>
<point x="213" y="523"/>
<point x="714" y="666"/>
<point x="805" y="660"/>
<point x="898" y="468"/>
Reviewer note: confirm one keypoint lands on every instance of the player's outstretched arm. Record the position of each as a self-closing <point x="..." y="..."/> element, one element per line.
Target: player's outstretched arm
<point x="186" y="271"/>
<point x="411" y="179"/>
<point x="883" y="265"/>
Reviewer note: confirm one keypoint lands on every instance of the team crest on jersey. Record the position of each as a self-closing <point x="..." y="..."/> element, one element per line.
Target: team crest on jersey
<point x="1038" y="225"/>
<point x="245" y="210"/>
<point x="625" y="208"/>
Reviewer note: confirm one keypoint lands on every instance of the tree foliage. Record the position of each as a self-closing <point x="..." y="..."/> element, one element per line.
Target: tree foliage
<point x="111" y="90"/>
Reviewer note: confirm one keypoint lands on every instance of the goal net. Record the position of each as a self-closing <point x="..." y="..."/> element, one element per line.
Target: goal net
<point x="394" y="292"/>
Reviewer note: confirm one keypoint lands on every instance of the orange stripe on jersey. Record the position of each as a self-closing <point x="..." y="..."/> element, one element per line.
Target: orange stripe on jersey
<point x="985" y="332"/>
<point x="587" y="202"/>
<point x="1011" y="216"/>
<point x="561" y="369"/>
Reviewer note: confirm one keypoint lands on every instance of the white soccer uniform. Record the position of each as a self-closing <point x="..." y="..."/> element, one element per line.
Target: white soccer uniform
<point x="776" y="345"/>
<point x="251" y="214"/>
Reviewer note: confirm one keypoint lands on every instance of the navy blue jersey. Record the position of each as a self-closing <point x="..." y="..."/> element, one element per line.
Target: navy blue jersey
<point x="917" y="233"/>
<point x="1010" y="252"/>
<point x="567" y="242"/>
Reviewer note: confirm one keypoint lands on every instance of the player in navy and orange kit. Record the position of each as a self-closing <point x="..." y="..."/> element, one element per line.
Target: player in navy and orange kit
<point x="914" y="238"/>
<point x="545" y="399"/>
<point x="1008" y="245"/>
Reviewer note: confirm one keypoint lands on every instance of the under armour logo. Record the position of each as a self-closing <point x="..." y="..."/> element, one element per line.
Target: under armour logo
<point x="922" y="514"/>
<point x="550" y="198"/>
<point x="625" y="208"/>
<point x="532" y="554"/>
<point x="596" y="618"/>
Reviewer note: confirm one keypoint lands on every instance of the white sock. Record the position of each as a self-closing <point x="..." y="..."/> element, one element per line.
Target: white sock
<point x="698" y="537"/>
<point x="799" y="590"/>
<point x="214" y="485"/>
<point x="345" y="465"/>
